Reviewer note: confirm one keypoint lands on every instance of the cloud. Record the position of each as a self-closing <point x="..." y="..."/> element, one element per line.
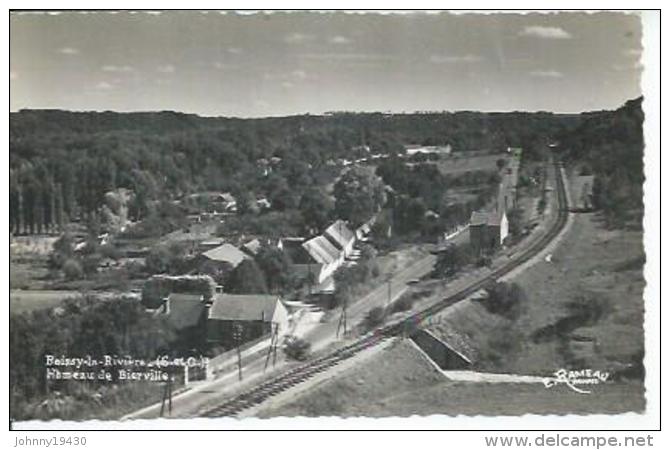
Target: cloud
<point x="546" y="74"/>
<point x="225" y="66"/>
<point x="455" y="59"/>
<point x="296" y="75"/>
<point x="635" y="52"/>
<point x="340" y="40"/>
<point x="346" y="56"/>
<point x="117" y="69"/>
<point x="235" y="50"/>
<point x="68" y="51"/>
<point x="297" y="38"/>
<point x="167" y="68"/>
<point x="287" y="85"/>
<point x="299" y="74"/>
<point x="545" y="32"/>
<point x="13" y="75"/>
<point x="628" y="67"/>
<point x="104" y="86"/>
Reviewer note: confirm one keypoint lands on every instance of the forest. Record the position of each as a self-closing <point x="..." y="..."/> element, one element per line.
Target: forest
<point x="610" y="145"/>
<point x="62" y="164"/>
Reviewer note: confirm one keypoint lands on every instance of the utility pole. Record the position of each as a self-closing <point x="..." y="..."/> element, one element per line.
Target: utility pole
<point x="237" y="337"/>
<point x="388" y="298"/>
<point x="167" y="395"/>
<point x="343" y="317"/>
<point x="272" y="350"/>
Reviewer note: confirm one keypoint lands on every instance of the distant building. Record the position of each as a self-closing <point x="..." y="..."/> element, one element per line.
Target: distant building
<point x="226" y="253"/>
<point x="487" y="230"/>
<point x="428" y="149"/>
<point x="583" y="186"/>
<point x="221" y="260"/>
<point x="263" y="203"/>
<point x="252" y="247"/>
<point x="211" y="202"/>
<point x="235" y="319"/>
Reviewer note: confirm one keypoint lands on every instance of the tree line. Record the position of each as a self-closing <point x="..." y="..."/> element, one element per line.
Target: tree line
<point x="610" y="145"/>
<point x="63" y="163"/>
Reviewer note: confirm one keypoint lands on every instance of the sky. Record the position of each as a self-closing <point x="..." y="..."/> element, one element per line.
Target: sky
<point x="273" y="64"/>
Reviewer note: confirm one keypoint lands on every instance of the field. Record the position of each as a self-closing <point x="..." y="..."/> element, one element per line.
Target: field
<point x="458" y="164"/>
<point x="21" y="301"/>
<point x="600" y="270"/>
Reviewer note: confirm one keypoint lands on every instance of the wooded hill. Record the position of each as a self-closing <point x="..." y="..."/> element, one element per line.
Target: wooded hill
<point x="62" y="163"/>
<point x="610" y="145"/>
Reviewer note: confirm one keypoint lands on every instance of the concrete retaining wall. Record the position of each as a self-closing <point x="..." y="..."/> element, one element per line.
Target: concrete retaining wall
<point x="441" y="353"/>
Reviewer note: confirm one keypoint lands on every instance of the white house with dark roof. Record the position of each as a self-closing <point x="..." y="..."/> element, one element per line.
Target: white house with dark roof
<point x="342" y="236"/>
<point x="319" y="257"/>
<point x="323" y="252"/>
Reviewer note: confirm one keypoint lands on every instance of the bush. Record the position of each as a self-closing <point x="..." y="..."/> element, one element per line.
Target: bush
<point x="63" y="249"/>
<point x="375" y="317"/>
<point x="404" y="303"/>
<point x="505" y="299"/>
<point x="72" y="269"/>
<point x="111" y="251"/>
<point x="297" y="348"/>
<point x="90" y="264"/>
<point x="453" y="259"/>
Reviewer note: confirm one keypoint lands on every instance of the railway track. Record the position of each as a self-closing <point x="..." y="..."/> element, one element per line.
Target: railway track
<point x="261" y="392"/>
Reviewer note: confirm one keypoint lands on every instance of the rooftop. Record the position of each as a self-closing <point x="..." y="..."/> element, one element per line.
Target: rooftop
<point x="340" y="233"/>
<point x="226" y="253"/>
<point x="321" y="250"/>
<point x="491" y="218"/>
<point x="243" y="307"/>
<point x="185" y="310"/>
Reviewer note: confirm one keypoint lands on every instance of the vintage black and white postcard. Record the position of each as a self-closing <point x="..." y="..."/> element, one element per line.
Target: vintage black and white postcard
<point x="220" y="214"/>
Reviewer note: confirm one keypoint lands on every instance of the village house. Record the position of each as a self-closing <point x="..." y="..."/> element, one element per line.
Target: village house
<point x="252" y="247"/>
<point x="412" y="150"/>
<point x="303" y="266"/>
<point x="185" y="312"/>
<point x="210" y="202"/>
<point x="220" y="260"/>
<point x="341" y="236"/>
<point x="488" y="230"/>
<point x="235" y="319"/>
<point x="316" y="260"/>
